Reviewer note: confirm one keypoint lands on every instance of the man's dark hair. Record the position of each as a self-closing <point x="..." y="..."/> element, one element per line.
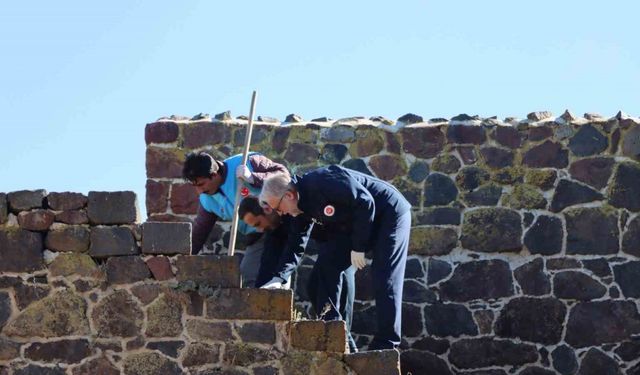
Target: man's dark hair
<point x="250" y="205"/>
<point x="197" y="165"/>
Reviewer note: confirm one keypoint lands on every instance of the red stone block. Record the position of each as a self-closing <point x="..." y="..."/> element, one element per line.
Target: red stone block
<point x="160" y="268"/>
<point x="205" y="133"/>
<point x="161" y="132"/>
<point x="36" y="220"/>
<point x="162" y="162"/>
<point x="184" y="199"/>
<point x="66" y="201"/>
<point x="157" y="196"/>
<point x="73" y="217"/>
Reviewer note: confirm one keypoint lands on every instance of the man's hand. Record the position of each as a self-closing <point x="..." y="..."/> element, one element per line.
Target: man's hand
<point x="274" y="283"/>
<point x="357" y="259"/>
<point x="244" y="173"/>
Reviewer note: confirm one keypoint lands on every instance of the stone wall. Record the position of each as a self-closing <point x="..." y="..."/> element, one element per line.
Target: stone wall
<point x="87" y="290"/>
<point x="526" y="238"/>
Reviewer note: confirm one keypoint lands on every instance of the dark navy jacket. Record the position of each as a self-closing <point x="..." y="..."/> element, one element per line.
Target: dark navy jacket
<point x="338" y="199"/>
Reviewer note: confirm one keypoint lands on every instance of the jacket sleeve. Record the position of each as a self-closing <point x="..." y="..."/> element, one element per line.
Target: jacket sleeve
<point x="202" y="226"/>
<point x="299" y="230"/>
<point x="264" y="167"/>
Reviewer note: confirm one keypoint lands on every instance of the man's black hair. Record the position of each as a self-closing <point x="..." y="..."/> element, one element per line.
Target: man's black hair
<point x="197" y="165"/>
<point x="251" y="205"/>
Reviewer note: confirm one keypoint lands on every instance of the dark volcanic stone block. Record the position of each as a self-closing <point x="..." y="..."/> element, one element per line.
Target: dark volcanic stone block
<point x="212" y="270"/>
<point x="485" y="352"/>
<point x="545" y="236"/>
<point x="66" y="201"/>
<point x="624" y="190"/>
<point x="532" y="278"/>
<point x="24" y="200"/>
<point x="250" y="304"/>
<point x="112" y="241"/>
<point x="449" y="319"/>
<point x="592" y="231"/>
<point x="569" y="193"/>
<point x="537" y="320"/>
<point x="485" y="279"/>
<point x="166" y="238"/>
<point x="65" y="351"/>
<point x="492" y="230"/>
<point x="576" y="285"/>
<point x="602" y="322"/>
<point x="546" y="155"/>
<point x="126" y="270"/>
<point x="21" y="251"/>
<point x="110" y="208"/>
<point x="592" y="171"/>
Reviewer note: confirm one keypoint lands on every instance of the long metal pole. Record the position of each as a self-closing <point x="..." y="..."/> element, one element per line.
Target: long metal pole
<point x="245" y="157"/>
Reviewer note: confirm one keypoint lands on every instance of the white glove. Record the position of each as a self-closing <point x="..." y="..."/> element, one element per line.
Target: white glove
<point x="274" y="283"/>
<point x="357" y="259"/>
<point x="244" y="173"/>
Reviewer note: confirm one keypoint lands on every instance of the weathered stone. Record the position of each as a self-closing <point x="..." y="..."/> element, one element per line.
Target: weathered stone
<point x="496" y="157"/>
<point x="508" y="136"/>
<point x="8" y="349"/>
<point x="487" y="195"/>
<point x="149" y="363"/>
<point x="439" y="189"/>
<point x="168" y="348"/>
<point x="540" y="133"/>
<point x="280" y="138"/>
<point x="615" y="141"/>
<point x="592" y="231"/>
<point x="539" y="115"/>
<point x="546" y="155"/>
<point x="414" y="269"/>
<point x="26" y="294"/>
<point x="626" y="275"/>
<point x="375" y="361"/>
<point x="214" y="270"/>
<point x="485" y="352"/>
<point x="117" y="315"/>
<point x="38" y="370"/>
<point x="392" y="143"/>
<point x="243" y="355"/>
<point x="318" y="335"/>
<point x="446" y="163"/>
<point x="432" y="240"/>
<point x="68" y="238"/>
<point x="64" y="351"/>
<point x="433" y="345"/>
<point x="126" y="270"/>
<point x="564" y="360"/>
<point x="265" y="370"/>
<point x="484" y="319"/>
<point x="545" y="179"/>
<point x="467" y="154"/>
<point x="411" y="192"/>
<point x="416" y="292"/>
<point x="576" y="285"/>
<point x="146" y="292"/>
<point x="492" y="230"/>
<point x="36" y="220"/>
<point x="76" y="217"/>
<point x="164" y="163"/>
<point x="600" y="267"/>
<point x="184" y="199"/>
<point x="66" y="201"/>
<point x="485" y="279"/>
<point x="631" y="238"/>
<point x="5" y="308"/>
<point x="388" y="167"/>
<point x="334" y="153"/>
<point x="369" y="141"/>
<point x="532" y="279"/>
<point x="161" y="132"/>
<point x="537" y="320"/>
<point x="166" y="238"/>
<point x="525" y="197"/>
<point x="357" y="165"/>
<point x="588" y="141"/>
<point x="109" y="208"/>
<point x="164" y="317"/>
<point x="624" y="191"/>
<point x="4" y="208"/>
<point x="204" y="133"/>
<point x="259" y="134"/>
<point x="418" y="171"/>
<point x="160" y="268"/>
<point x="338" y="134"/>
<point x="100" y="366"/>
<point x="410" y="118"/>
<point x="59" y="314"/>
<point x="112" y="241"/>
<point x="562" y="263"/>
<point x="25" y="200"/>
<point x="422" y="142"/>
<point x="74" y="264"/>
<point x="592" y="171"/>
<point x="364" y="317"/>
<point x="157" y="196"/>
<point x="449" y="319"/>
<point x="545" y="236"/>
<point x="631" y="143"/>
<point x="470" y="178"/>
<point x="300" y="153"/>
<point x="464" y="134"/>
<point x="595" y="362"/>
<point x="412" y="320"/>
<point x="209" y="331"/>
<point x="508" y="176"/>
<point x="259" y="304"/>
<point x="629" y="351"/>
<point x="21" y="251"/>
<point x="597" y="323"/>
<point x="437" y="271"/>
<point x="438" y="216"/>
<point x="263" y="333"/>
<point x="198" y="354"/>
<point x="569" y="193"/>
<point x="419" y="362"/>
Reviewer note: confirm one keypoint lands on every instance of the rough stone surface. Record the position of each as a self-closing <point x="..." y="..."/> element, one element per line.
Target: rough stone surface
<point x="525" y="197"/>
<point x="624" y="190"/>
<point x="149" y="363"/>
<point x="5" y="308"/>
<point x="25" y="200"/>
<point x="157" y="196"/>
<point x="299" y="153"/>
<point x="259" y="304"/>
<point x="73" y="238"/>
<point x="538" y="320"/>
<point x="4" y="208"/>
<point x="112" y="241"/>
<point x="437" y="271"/>
<point x="25" y="294"/>
<point x="318" y="335"/>
<point x="161" y="132"/>
<point x="62" y="351"/>
<point x="432" y="240"/>
<point x="416" y="292"/>
<point x="596" y="323"/>
<point x="592" y="231"/>
<point x="243" y="355"/>
<point x="100" y="366"/>
<point x="420" y="362"/>
<point x="379" y="361"/>
<point x="485" y="352"/>
<point x="209" y="331"/>
<point x="125" y="270"/>
<point x="39" y="370"/>
<point x="439" y="190"/>
<point x="117" y="315"/>
<point x="446" y="163"/>
<point x="388" y="167"/>
<point x="184" y="199"/>
<point x="569" y="193"/>
<point x="595" y="362"/>
<point x="470" y="178"/>
<point x="631" y="143"/>
<point x="564" y="360"/>
<point x="588" y="141"/>
<point x="438" y="216"/>
<point x="487" y="195"/>
<point x="168" y="348"/>
<point x="334" y="153"/>
<point x="508" y="136"/>
<point x="449" y="320"/>
<point x="418" y="171"/>
<point x="492" y="230"/>
<point x="109" y="208"/>
<point x="198" y="354"/>
<point x="577" y="286"/>
<point x="532" y="278"/>
<point x="357" y="165"/>
<point x="166" y="238"/>
<point x="74" y="264"/>
<point x="546" y="155"/>
<point x="626" y="275"/>
<point x="66" y="201"/>
<point x="462" y="134"/>
<point x="631" y="238"/>
<point x="422" y="142"/>
<point x="21" y="251"/>
<point x="543" y="178"/>
<point x="496" y="157"/>
<point x="8" y="349"/>
<point x="214" y="270"/>
<point x="205" y="133"/>
<point x="36" y="220"/>
<point x="262" y="333"/>
<point x="592" y="171"/>
<point x="160" y="268"/>
<point x="545" y="236"/>
<point x="485" y="279"/>
<point x="164" y="317"/>
<point x="75" y="217"/>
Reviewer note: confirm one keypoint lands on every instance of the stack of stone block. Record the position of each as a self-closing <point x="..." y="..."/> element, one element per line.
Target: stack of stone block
<point x="85" y="289"/>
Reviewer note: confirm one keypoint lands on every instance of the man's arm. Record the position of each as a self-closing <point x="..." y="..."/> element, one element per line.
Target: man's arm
<point x="263" y="168"/>
<point x="299" y="230"/>
<point x="202" y="226"/>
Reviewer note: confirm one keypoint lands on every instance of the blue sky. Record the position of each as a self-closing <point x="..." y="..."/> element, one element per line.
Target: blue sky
<point x="79" y="80"/>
